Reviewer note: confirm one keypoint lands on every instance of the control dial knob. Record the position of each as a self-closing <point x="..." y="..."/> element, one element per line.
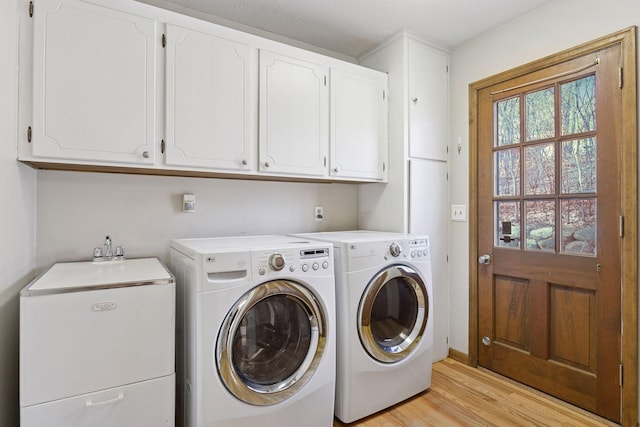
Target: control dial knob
<point x="395" y="249"/>
<point x="276" y="262"/>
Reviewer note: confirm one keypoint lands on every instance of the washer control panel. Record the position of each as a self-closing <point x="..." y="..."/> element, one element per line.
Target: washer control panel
<point x="276" y="262"/>
<point x="312" y="261"/>
<point x="395" y="249"/>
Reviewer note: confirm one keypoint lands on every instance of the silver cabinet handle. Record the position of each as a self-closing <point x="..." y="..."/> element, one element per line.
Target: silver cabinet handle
<point x="484" y="259"/>
<point x="336" y="170"/>
<point x="244" y="162"/>
<point x="145" y="154"/>
<point x="415" y="101"/>
<point x="266" y="164"/>
<point x="91" y="403"/>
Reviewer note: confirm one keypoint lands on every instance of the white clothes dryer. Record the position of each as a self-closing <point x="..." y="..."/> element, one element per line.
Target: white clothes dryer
<point x="256" y="334"/>
<point x="384" y="312"/>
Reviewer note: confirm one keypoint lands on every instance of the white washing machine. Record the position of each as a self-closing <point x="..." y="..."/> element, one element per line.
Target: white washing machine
<point x="385" y="320"/>
<point x="256" y="331"/>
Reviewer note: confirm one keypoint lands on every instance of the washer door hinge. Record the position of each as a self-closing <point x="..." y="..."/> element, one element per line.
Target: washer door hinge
<point x="162" y="146"/>
<point x="30" y="9"/>
<point x="164" y="40"/>
<point x="29" y="132"/>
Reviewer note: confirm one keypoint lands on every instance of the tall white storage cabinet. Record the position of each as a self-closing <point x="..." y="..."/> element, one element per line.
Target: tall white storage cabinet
<point x="415" y="200"/>
<point x="97" y="345"/>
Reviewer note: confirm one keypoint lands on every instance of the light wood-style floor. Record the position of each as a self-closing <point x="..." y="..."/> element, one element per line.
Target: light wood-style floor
<point x="465" y="396"/>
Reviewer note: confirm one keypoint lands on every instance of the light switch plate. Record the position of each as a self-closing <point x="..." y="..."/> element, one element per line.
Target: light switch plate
<point x="459" y="213"/>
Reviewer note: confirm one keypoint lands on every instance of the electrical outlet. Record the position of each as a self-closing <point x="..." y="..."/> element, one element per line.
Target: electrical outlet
<point x="188" y="203"/>
<point x="318" y="213"/>
<point x="459" y="213"/>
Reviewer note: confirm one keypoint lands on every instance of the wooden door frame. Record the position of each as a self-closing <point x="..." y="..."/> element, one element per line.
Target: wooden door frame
<point x="629" y="204"/>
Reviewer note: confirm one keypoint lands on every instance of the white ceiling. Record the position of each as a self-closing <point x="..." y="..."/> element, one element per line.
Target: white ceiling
<point x="350" y="27"/>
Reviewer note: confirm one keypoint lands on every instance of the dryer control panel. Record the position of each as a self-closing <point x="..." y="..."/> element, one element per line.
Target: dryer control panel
<point x="402" y="249"/>
<point x="362" y="255"/>
<point x="418" y="248"/>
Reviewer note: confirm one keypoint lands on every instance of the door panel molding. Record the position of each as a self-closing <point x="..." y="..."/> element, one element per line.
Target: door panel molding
<point x="626" y="39"/>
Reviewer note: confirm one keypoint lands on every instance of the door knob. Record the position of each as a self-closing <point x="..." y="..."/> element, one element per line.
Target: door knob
<point x="486" y="341"/>
<point x="484" y="259"/>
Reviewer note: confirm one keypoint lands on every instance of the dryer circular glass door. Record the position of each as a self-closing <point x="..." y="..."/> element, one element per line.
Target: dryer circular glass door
<point x="271" y="342"/>
<point x="393" y="313"/>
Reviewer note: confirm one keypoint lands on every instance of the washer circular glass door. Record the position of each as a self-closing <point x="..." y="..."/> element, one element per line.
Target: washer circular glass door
<point x="393" y="313"/>
<point x="271" y="342"/>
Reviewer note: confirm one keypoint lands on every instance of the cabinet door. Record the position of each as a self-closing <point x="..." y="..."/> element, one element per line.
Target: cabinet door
<point x="294" y="116"/>
<point x="94" y="83"/>
<point x="209" y="101"/>
<point x="359" y="123"/>
<point x="428" y="208"/>
<point x="428" y="106"/>
<point x="79" y="338"/>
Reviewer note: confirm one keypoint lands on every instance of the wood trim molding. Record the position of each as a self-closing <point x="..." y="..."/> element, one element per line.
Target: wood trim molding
<point x="629" y="198"/>
<point x="459" y="356"/>
<point x="629" y="209"/>
<point x="473" y="224"/>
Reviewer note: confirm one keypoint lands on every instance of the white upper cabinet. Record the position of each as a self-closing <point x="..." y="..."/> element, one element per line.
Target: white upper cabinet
<point x="428" y="105"/>
<point x="294" y="116"/>
<point x="209" y="101"/>
<point x="94" y="84"/>
<point x="359" y="136"/>
<point x="123" y="86"/>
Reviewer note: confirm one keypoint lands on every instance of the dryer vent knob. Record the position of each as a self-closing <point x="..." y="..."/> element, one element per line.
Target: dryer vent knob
<point x="276" y="262"/>
<point x="395" y="249"/>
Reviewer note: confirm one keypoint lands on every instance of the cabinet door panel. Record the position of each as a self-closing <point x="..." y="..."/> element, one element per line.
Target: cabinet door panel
<point x="359" y="146"/>
<point x="94" y="83"/>
<point x="294" y="116"/>
<point x="428" y="106"/>
<point x="428" y="208"/>
<point x="208" y="101"/>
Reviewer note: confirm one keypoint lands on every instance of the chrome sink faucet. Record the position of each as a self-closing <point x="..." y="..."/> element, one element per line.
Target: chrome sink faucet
<point x="108" y="249"/>
<point x="106" y="253"/>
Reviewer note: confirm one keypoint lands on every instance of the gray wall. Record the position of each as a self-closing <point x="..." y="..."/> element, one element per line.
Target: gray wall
<point x="17" y="216"/>
<point x="143" y="213"/>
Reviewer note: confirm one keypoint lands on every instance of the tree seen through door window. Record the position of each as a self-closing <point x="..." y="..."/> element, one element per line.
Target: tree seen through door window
<point x="545" y="166"/>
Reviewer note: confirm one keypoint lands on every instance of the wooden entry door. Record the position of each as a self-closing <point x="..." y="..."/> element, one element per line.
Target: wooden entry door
<point x="549" y="230"/>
